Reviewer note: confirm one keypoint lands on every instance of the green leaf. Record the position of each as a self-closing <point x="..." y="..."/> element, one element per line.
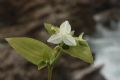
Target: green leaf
<point x="51" y="29"/>
<point x="81" y="51"/>
<point x="81" y="36"/>
<point x="33" y="50"/>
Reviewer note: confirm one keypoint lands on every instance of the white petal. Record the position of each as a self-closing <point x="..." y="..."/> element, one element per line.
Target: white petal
<point x="65" y="27"/>
<point x="55" y="39"/>
<point x="69" y="40"/>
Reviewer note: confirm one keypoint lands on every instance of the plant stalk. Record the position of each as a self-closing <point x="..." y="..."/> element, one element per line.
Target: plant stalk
<point x="50" y="67"/>
<point x="50" y="72"/>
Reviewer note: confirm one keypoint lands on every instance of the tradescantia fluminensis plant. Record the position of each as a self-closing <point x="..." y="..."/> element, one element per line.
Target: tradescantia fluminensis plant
<point x="43" y="56"/>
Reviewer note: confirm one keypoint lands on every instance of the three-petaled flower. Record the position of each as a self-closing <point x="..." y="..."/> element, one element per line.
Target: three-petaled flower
<point x="63" y="35"/>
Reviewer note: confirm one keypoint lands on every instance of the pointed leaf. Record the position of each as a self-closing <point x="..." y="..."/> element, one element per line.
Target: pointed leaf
<point x="33" y="50"/>
<point x="81" y="51"/>
<point x="81" y="36"/>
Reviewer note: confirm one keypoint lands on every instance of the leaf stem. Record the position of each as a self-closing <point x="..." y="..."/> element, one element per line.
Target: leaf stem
<point x="50" y="68"/>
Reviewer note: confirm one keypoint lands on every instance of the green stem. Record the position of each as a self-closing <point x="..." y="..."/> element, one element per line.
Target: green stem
<point x="50" y="72"/>
<point x="50" y="67"/>
<point x="58" y="54"/>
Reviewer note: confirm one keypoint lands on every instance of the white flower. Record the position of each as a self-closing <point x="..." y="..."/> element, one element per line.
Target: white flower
<point x="64" y="35"/>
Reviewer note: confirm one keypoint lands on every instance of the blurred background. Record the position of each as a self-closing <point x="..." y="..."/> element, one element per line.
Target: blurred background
<point x="98" y="19"/>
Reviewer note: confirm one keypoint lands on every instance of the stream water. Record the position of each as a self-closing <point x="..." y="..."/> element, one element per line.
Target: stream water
<point x="106" y="46"/>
